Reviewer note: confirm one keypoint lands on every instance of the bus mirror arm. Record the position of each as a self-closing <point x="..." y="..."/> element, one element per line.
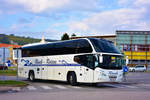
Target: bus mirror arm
<point x="100" y="59"/>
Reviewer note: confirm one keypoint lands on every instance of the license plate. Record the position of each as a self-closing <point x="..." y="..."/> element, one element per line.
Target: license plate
<point x="112" y="78"/>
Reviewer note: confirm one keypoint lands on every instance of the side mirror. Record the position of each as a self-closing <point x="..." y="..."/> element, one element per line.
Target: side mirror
<point x="100" y="59"/>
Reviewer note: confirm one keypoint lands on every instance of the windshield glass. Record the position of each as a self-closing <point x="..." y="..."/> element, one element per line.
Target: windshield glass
<point x="111" y="62"/>
<point x="102" y="45"/>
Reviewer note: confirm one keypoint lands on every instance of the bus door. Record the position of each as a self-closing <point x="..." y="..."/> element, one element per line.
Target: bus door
<point x="89" y="69"/>
<point x="87" y="63"/>
<point x="38" y="72"/>
<point x="41" y="69"/>
<point x="41" y="72"/>
<point x="44" y="74"/>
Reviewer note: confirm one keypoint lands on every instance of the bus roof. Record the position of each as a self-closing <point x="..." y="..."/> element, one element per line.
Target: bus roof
<point x="34" y="44"/>
<point x="38" y="44"/>
<point x="47" y="43"/>
<point x="98" y="45"/>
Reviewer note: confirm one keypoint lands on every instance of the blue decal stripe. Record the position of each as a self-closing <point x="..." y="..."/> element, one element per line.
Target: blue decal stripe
<point x="53" y="65"/>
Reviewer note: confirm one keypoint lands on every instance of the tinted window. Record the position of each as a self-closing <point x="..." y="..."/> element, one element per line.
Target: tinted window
<point x="68" y="47"/>
<point x="60" y="48"/>
<point x="84" y="46"/>
<point x="139" y="66"/>
<point x="39" y="50"/>
<point x="85" y="60"/>
<point x="111" y="62"/>
<point x="102" y="45"/>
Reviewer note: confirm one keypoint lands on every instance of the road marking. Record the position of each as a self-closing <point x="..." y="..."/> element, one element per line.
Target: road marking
<point x="60" y="86"/>
<point x="16" y="89"/>
<point x="145" y="84"/>
<point x="130" y="86"/>
<point x="31" y="88"/>
<point x="75" y="87"/>
<point x="46" y="87"/>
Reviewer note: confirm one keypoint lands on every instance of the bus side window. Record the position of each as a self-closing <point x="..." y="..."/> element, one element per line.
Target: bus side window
<point x="96" y="59"/>
<point x="77" y="59"/>
<point x="85" y="60"/>
<point x="25" y="53"/>
<point x="90" y="61"/>
<point x="81" y="59"/>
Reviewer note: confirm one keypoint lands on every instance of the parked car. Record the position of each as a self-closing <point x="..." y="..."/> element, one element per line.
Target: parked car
<point x="148" y="68"/>
<point x="138" y="68"/>
<point x="3" y="67"/>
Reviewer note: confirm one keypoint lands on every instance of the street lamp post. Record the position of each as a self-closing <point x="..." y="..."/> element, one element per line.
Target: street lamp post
<point x="4" y="63"/>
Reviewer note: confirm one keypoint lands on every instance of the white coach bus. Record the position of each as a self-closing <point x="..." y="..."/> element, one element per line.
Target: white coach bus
<point x="88" y="60"/>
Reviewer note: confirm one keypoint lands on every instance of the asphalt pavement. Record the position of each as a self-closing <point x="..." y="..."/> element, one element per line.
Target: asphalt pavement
<point x="136" y="87"/>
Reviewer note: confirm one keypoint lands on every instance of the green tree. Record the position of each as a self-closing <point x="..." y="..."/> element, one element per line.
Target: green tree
<point x="65" y="37"/>
<point x="12" y="35"/>
<point x="4" y="39"/>
<point x="73" y="35"/>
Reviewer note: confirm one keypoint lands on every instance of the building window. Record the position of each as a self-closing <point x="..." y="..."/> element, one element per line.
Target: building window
<point x="121" y="47"/>
<point x="125" y="47"/>
<point x="133" y="47"/>
<point x="143" y="47"/>
<point x="146" y="47"/>
<point x="136" y="48"/>
<point x="140" y="47"/>
<point x="128" y="47"/>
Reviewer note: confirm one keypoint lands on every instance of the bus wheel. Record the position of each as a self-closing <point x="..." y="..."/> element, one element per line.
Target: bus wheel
<point x="31" y="76"/>
<point x="72" y="79"/>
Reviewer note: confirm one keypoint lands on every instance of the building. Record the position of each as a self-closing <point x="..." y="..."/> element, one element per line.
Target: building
<point x="6" y="52"/>
<point x="9" y="45"/>
<point x="135" y="45"/>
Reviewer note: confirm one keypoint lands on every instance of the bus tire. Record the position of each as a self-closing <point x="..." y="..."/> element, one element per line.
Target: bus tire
<point x="72" y="79"/>
<point x="31" y="76"/>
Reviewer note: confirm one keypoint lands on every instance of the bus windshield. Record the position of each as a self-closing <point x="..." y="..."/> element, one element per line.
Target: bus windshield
<point x="102" y="45"/>
<point x="111" y="62"/>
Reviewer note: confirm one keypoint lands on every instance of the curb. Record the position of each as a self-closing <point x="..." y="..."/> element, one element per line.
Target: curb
<point x="9" y="89"/>
<point x="4" y="91"/>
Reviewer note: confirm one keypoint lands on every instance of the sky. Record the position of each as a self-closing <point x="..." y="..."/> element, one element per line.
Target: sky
<point x="53" y="18"/>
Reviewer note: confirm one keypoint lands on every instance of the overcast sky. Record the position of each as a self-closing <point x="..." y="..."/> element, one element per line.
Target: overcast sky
<point x="52" y="18"/>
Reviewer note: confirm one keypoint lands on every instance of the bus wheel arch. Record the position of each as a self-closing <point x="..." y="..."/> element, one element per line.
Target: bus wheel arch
<point x="72" y="78"/>
<point x="31" y="75"/>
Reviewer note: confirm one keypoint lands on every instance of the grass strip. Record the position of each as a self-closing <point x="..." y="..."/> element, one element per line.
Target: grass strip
<point x="12" y="83"/>
<point x="8" y="72"/>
